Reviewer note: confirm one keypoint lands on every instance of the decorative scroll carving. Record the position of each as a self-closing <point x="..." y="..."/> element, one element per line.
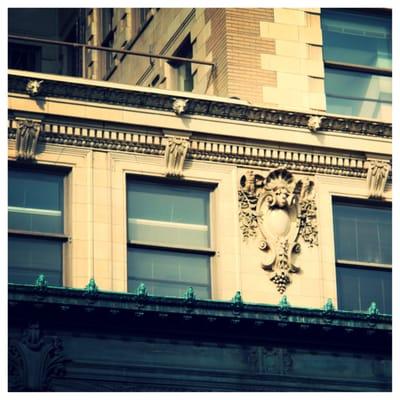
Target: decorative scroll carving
<point x="27" y="136"/>
<point x="314" y="123"/>
<point x="180" y="105"/>
<point x="378" y="173"/>
<point x="281" y="209"/>
<point x="33" y="87"/>
<point x="175" y="154"/>
<point x="34" y="361"/>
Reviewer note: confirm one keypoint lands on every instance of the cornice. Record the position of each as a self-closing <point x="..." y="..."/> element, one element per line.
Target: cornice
<point x="51" y="87"/>
<point x="203" y="149"/>
<point x="207" y="310"/>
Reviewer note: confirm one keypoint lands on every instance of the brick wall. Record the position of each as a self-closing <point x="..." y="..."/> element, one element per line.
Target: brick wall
<point x="246" y="78"/>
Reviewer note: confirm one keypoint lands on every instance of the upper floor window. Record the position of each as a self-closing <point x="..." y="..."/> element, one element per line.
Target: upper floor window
<point x="357" y="50"/>
<point x="182" y="71"/>
<point x="107" y="15"/>
<point x="168" y="237"/>
<point x="36" y="225"/>
<point x="363" y="249"/>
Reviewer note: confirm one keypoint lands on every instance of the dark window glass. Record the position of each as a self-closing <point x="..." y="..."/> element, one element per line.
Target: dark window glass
<point x="35" y="204"/>
<point x="363" y="233"/>
<point x="173" y="271"/>
<point x="35" y="201"/>
<point x="359" y="287"/>
<point x="370" y="95"/>
<point x="363" y="242"/>
<point x="25" y="57"/>
<point x="183" y="70"/>
<point x="29" y="257"/>
<point x="357" y="37"/>
<point x="166" y="214"/>
<point x="354" y="39"/>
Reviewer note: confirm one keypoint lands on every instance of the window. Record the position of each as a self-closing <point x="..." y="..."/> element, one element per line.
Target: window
<point x="25" y="57"/>
<point x="36" y="225"/>
<point x="363" y="248"/>
<point x="358" y="60"/>
<point x="183" y="70"/>
<point x="168" y="237"/>
<point x="107" y="15"/>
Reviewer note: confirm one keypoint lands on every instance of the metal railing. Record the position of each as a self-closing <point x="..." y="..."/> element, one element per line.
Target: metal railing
<point x="86" y="47"/>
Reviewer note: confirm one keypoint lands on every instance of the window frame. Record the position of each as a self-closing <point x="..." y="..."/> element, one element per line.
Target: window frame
<point x="63" y="237"/>
<point x="207" y="251"/>
<point x="178" y="66"/>
<point x="359" y="68"/>
<point x="354" y="264"/>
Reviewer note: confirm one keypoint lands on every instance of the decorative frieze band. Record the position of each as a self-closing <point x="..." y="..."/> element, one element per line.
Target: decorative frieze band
<point x="210" y="108"/>
<point x="239" y="154"/>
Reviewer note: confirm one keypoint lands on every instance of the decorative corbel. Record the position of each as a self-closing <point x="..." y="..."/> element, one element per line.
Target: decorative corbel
<point x="175" y="154"/>
<point x="27" y="136"/>
<point x="378" y="173"/>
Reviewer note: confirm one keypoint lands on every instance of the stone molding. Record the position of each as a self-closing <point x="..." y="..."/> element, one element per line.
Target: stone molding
<point x="175" y="153"/>
<point x="195" y="106"/>
<point x="27" y="136"/>
<point x="377" y="176"/>
<point x="246" y="155"/>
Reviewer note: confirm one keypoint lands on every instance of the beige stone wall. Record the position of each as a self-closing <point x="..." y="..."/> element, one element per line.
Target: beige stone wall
<point x="271" y="57"/>
<point x="298" y="60"/>
<point x="96" y="211"/>
<point x="96" y="221"/>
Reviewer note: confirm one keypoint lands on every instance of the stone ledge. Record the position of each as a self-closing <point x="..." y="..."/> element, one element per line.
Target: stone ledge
<point x="123" y="95"/>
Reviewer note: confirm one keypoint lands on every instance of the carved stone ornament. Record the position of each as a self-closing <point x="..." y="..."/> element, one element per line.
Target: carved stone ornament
<point x="179" y="106"/>
<point x="33" y="87"/>
<point x="175" y="154"/>
<point x="280" y="209"/>
<point x="314" y="123"/>
<point x="34" y="361"/>
<point x="27" y="136"/>
<point x="378" y="172"/>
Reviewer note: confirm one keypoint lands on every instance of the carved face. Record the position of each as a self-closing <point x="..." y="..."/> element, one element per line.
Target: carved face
<point x="281" y="196"/>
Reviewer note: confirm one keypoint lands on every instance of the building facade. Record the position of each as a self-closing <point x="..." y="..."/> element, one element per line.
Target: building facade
<point x="204" y="209"/>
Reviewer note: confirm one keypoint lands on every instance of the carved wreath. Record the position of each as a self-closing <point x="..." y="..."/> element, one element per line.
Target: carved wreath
<point x="281" y="209"/>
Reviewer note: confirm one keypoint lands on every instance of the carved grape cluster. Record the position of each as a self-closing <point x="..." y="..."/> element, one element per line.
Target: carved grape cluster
<point x="281" y="281"/>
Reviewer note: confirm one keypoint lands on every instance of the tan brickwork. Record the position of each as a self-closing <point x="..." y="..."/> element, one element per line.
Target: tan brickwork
<point x="246" y="78"/>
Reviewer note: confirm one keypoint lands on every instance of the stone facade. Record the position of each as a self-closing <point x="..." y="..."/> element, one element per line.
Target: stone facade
<point x="113" y="141"/>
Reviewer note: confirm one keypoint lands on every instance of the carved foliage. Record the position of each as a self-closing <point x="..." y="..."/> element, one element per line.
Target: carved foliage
<point x="377" y="176"/>
<point x="34" y="361"/>
<point x="175" y="154"/>
<point x="27" y="136"/>
<point x="281" y="209"/>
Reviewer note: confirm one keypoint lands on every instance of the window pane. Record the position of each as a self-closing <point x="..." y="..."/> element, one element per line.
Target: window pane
<point x="359" y="94"/>
<point x="363" y="233"/>
<point x="168" y="214"/>
<point x="359" y="287"/>
<point x="29" y="257"/>
<point x="35" y="201"/>
<point x="169" y="268"/>
<point x="354" y="37"/>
